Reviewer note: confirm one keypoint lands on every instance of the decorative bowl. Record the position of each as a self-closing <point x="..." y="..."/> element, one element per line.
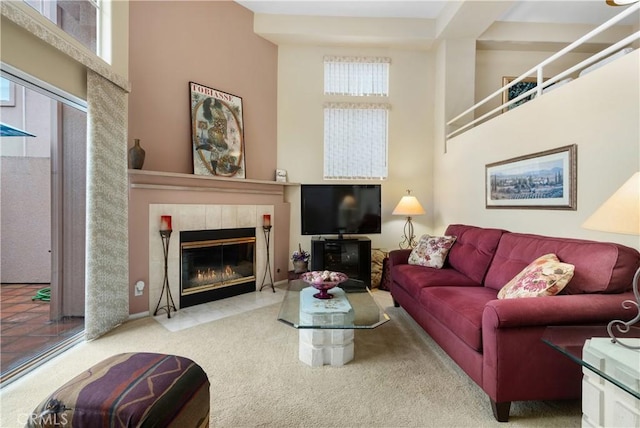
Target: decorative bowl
<point x="323" y="281"/>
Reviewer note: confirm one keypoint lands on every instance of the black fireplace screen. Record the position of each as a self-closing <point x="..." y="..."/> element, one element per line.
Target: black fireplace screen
<point x="213" y="263"/>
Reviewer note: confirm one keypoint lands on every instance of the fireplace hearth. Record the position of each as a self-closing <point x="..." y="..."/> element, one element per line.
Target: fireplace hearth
<point x="215" y="264"/>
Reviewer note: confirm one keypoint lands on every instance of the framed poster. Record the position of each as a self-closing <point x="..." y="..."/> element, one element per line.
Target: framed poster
<point x="217" y="132"/>
<point x="544" y="180"/>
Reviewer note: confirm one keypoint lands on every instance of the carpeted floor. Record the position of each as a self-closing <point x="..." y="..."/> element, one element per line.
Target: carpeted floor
<point x="399" y="377"/>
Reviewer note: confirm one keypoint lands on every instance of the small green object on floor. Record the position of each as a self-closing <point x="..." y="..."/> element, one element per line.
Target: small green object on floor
<point x="43" y="294"/>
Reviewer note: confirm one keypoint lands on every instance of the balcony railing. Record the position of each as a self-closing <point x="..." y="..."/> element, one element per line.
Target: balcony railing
<point x="537" y="71"/>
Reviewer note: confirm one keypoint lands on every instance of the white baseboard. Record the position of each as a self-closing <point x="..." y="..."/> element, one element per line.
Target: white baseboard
<point x="138" y="315"/>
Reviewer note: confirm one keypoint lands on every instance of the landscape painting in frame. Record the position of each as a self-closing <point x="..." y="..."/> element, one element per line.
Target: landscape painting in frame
<point x="545" y="180"/>
<point x="217" y="132"/>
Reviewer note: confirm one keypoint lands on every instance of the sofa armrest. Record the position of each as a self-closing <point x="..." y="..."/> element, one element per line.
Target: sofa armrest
<point x="399" y="257"/>
<point x="574" y="309"/>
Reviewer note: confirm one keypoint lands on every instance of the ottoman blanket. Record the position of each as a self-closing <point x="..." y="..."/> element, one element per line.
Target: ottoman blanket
<point x="131" y="390"/>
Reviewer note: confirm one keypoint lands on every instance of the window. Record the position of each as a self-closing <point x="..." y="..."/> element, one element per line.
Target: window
<point x="78" y="18"/>
<point x="356" y="76"/>
<point x="7" y="92"/>
<point x="355" y="131"/>
<point x="355" y="141"/>
<point x="42" y="205"/>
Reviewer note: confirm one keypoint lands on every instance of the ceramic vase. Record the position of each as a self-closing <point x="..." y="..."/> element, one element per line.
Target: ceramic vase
<point x="136" y="155"/>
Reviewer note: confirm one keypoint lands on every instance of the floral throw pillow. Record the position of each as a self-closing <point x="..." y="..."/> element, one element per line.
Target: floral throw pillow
<point x="545" y="276"/>
<point x="431" y="251"/>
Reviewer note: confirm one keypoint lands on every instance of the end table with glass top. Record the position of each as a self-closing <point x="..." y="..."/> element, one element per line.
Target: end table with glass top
<point x="326" y="326"/>
<point x="611" y="373"/>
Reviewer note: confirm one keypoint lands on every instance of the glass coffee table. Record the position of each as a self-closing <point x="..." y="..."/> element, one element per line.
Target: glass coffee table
<point x="326" y="326"/>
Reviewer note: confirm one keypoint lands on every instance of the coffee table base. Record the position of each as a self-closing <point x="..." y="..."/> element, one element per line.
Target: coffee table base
<point x="325" y="347"/>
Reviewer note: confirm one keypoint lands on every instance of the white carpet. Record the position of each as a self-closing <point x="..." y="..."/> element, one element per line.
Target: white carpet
<point x="399" y="377"/>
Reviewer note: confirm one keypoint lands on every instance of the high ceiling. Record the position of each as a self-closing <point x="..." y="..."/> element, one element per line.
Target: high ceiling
<point x="419" y="24"/>
<point x="539" y="11"/>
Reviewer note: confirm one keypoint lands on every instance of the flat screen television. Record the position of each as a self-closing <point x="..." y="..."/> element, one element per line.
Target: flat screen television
<point x="339" y="209"/>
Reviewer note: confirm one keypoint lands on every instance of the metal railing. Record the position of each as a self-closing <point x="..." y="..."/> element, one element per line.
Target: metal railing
<point x="538" y="72"/>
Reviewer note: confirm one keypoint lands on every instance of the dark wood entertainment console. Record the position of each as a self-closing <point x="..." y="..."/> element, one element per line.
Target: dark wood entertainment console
<point x="351" y="256"/>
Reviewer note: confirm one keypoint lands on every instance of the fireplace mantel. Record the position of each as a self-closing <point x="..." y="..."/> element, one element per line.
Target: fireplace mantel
<point x="159" y="180"/>
<point x="148" y="188"/>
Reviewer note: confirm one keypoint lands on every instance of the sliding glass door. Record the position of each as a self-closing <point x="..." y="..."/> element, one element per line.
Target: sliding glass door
<point x="43" y="151"/>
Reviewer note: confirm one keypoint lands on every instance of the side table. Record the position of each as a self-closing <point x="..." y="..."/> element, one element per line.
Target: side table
<point x="611" y="373"/>
<point x="604" y="403"/>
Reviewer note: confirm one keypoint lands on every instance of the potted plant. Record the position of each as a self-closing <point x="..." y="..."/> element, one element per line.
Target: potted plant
<point x="300" y="260"/>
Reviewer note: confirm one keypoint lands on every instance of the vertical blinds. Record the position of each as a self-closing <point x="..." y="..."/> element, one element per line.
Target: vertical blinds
<point x="356" y="76"/>
<point x="355" y="141"/>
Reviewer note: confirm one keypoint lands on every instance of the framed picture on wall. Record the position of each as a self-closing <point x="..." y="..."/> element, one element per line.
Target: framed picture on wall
<point x="217" y="132"/>
<point x="544" y="180"/>
<point x="516" y="90"/>
<point x="281" y="175"/>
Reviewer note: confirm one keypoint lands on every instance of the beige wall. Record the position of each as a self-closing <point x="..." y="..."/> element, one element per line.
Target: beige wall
<point x="599" y="112"/>
<point x="300" y="131"/>
<point x="492" y="66"/>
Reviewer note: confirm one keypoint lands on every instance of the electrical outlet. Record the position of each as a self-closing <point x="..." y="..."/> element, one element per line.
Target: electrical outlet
<point x="139" y="288"/>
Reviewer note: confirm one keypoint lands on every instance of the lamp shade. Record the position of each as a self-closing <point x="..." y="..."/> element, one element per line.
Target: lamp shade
<point x="620" y="2"/>
<point x="408" y="206"/>
<point x="621" y="212"/>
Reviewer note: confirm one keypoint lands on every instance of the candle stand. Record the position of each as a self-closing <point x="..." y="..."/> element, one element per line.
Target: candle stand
<point x="267" y="234"/>
<point x="165" y="235"/>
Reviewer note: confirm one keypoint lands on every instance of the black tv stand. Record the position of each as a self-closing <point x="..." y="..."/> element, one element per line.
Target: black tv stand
<point x="342" y="239"/>
<point x="351" y="256"/>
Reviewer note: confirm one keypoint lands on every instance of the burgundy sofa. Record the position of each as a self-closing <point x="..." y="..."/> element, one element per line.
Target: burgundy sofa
<point x="498" y="343"/>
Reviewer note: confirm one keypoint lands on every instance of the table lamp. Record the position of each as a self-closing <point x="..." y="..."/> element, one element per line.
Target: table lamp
<point x="408" y="206"/>
<point x="621" y="214"/>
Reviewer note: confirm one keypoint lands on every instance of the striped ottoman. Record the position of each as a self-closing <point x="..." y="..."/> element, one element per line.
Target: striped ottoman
<point x="130" y="390"/>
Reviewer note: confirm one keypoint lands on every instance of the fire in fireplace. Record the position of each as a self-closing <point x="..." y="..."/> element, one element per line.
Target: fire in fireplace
<point x="215" y="264"/>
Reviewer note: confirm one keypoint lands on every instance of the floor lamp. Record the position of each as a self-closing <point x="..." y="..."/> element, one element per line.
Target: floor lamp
<point x="408" y="206"/>
<point x="621" y="214"/>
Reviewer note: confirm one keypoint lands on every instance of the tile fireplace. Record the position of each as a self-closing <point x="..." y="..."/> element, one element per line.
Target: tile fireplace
<point x="233" y="272"/>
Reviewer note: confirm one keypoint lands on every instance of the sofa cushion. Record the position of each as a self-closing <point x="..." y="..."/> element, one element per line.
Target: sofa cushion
<point x="545" y="276"/>
<point x="473" y="250"/>
<point x="431" y="251"/>
<point x="460" y="309"/>
<point x="377" y="260"/>
<point x="600" y="267"/>
<point x="413" y="278"/>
